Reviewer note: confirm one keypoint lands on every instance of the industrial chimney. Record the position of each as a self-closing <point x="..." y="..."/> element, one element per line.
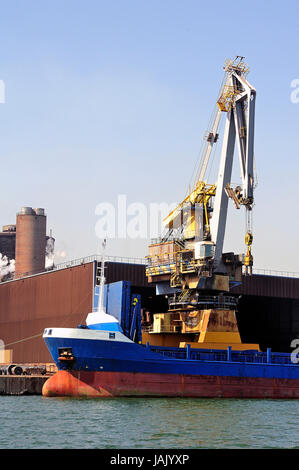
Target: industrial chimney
<point x="30" y="242"/>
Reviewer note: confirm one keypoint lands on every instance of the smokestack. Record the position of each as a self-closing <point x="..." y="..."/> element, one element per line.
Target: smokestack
<point x="8" y="241"/>
<point x="50" y="242"/>
<point x="30" y="242"/>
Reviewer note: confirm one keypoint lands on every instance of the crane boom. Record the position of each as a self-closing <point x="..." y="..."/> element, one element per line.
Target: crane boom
<point x="240" y="107"/>
<point x="191" y="254"/>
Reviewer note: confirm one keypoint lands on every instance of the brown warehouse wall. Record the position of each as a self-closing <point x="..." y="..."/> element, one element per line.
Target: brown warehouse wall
<point x="55" y="299"/>
<point x="271" y="286"/>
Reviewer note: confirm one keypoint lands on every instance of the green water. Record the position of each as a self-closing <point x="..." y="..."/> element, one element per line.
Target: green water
<point x="39" y="423"/>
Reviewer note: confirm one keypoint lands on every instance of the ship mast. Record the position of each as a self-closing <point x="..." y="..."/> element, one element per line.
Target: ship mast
<point x="102" y="279"/>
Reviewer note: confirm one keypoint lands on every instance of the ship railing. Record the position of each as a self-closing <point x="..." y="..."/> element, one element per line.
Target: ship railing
<point x="251" y="356"/>
<point x="205" y="302"/>
<point x="161" y="259"/>
<point x="171" y="259"/>
<point x="173" y="237"/>
<point x="85" y="260"/>
<point x="91" y="258"/>
<point x="162" y="329"/>
<point x="275" y="273"/>
<point x="165" y="259"/>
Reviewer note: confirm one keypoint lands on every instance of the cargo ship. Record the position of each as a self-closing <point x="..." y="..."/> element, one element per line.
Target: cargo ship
<point x="97" y="359"/>
<point x="105" y="363"/>
<point x="194" y="347"/>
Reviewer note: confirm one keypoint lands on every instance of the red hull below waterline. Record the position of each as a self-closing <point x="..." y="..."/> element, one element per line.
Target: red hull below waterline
<point x="119" y="384"/>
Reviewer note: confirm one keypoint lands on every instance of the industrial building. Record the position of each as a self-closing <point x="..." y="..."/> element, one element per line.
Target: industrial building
<point x="8" y="241"/>
<point x="25" y="244"/>
<point x="62" y="297"/>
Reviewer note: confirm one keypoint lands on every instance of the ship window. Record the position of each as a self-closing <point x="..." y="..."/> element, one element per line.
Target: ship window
<point x="111" y="335"/>
<point x="49" y="332"/>
<point x="207" y="251"/>
<point x="64" y="351"/>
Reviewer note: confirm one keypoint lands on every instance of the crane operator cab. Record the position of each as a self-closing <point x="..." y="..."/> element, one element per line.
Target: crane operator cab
<point x="204" y="251"/>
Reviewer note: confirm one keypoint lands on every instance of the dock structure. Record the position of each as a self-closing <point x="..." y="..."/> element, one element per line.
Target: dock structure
<point x="24" y="379"/>
<point x="22" y="384"/>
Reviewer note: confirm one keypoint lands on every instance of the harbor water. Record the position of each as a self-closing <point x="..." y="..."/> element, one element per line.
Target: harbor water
<point x="36" y="422"/>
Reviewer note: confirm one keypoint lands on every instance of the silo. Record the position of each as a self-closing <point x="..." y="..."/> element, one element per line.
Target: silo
<point x="30" y="241"/>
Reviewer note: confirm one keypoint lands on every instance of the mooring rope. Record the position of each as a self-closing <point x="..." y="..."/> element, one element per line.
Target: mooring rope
<point x="24" y="339"/>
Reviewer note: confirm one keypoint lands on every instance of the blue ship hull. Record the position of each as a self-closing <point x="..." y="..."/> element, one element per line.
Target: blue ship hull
<point x="103" y="363"/>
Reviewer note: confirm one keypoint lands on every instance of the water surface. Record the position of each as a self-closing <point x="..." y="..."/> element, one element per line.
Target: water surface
<point x="36" y="422"/>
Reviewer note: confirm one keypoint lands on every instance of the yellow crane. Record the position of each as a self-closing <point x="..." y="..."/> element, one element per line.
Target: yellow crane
<point x="200" y="219"/>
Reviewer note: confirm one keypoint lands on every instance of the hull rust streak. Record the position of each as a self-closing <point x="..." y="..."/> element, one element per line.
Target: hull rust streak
<point x="118" y="384"/>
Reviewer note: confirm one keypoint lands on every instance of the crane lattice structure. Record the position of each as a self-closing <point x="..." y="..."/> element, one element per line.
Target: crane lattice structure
<point x="202" y="230"/>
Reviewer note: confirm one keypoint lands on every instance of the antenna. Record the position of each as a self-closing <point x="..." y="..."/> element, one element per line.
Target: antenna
<point x="102" y="279"/>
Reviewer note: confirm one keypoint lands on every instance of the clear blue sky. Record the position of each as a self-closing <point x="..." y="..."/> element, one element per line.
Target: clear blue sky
<point x="113" y="97"/>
